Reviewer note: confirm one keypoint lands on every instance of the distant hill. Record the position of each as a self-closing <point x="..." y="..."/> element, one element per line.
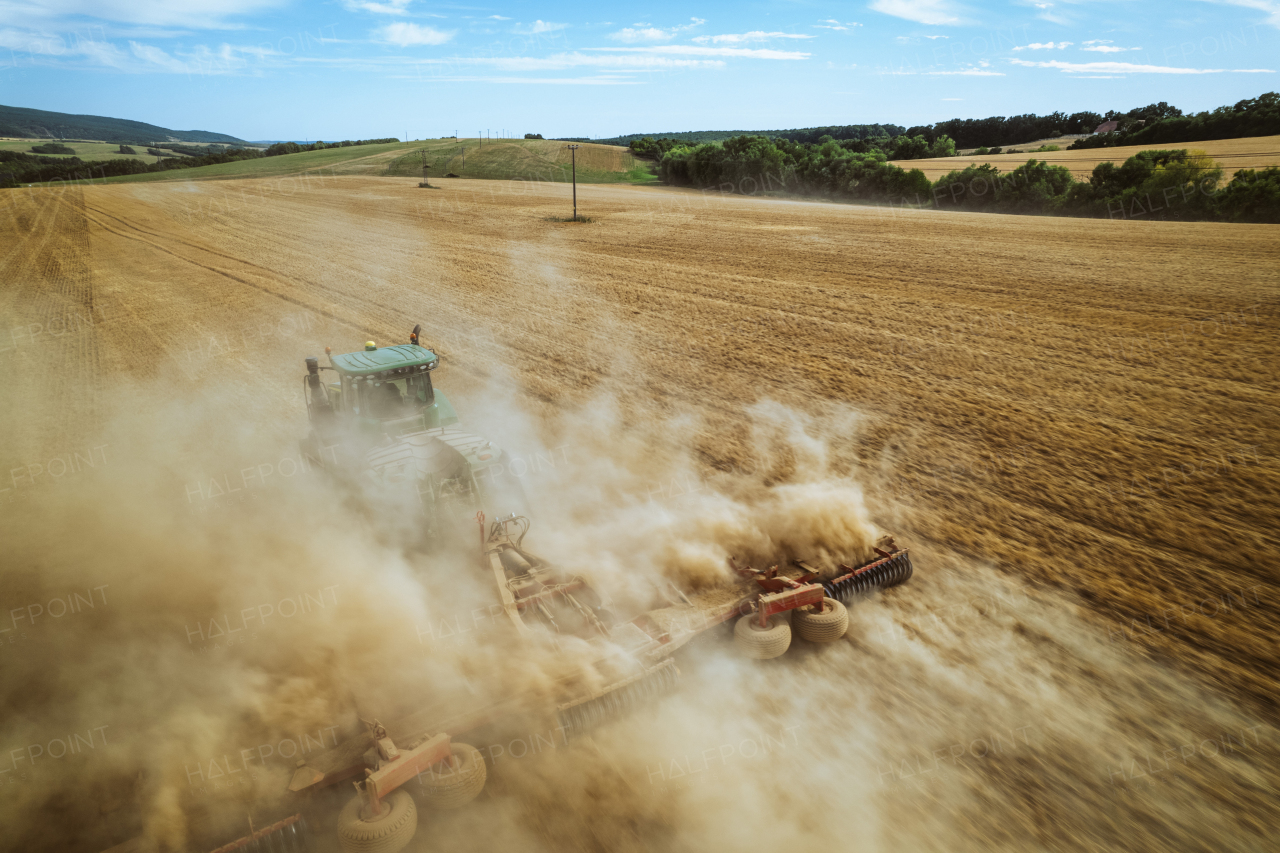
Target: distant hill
<point x="684" y="136"/>
<point x="39" y="124"/>
<point x="543" y="160"/>
<point x="799" y="134"/>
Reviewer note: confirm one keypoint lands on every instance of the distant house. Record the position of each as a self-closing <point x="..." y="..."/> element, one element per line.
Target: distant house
<point x="1107" y="126"/>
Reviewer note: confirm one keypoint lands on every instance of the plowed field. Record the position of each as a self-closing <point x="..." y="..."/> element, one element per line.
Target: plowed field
<point x="1073" y="423"/>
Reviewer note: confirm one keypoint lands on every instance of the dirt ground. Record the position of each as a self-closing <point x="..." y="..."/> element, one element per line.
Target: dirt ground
<point x="1072" y="423"/>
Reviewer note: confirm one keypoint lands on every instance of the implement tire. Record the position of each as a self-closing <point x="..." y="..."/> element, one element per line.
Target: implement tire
<point x="445" y="787"/>
<point x="762" y="643"/>
<point x="388" y="834"/>
<point x="826" y="626"/>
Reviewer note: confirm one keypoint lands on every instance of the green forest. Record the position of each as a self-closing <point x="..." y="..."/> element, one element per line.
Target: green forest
<point x="42" y="124"/>
<point x="1258" y="116"/>
<point x="1162" y="184"/>
<point x="1157" y="123"/>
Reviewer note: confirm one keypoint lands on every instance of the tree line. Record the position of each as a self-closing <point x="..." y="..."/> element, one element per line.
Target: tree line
<point x="1159" y="184"/>
<point x="1258" y="116"/>
<point x="17" y="168"/>
<point x="901" y="147"/>
<point x="294" y="148"/>
<point x="1158" y="124"/>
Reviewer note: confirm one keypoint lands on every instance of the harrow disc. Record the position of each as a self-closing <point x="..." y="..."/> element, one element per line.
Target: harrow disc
<point x="615" y="701"/>
<point x="893" y="571"/>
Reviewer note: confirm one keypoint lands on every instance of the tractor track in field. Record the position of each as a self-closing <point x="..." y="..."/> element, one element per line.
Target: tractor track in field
<point x="49" y="290"/>
<point x="155" y="244"/>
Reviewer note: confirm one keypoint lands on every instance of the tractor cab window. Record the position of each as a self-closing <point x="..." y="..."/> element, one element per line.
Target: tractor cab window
<point x="418" y="389"/>
<point x="396" y="398"/>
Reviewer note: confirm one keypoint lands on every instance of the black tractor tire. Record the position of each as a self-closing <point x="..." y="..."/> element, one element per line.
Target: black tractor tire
<point x="826" y="626"/>
<point x="758" y="643"/>
<point x="445" y="787"/>
<point x="389" y="833"/>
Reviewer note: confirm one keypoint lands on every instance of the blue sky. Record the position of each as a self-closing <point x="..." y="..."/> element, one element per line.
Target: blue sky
<point x="284" y="69"/>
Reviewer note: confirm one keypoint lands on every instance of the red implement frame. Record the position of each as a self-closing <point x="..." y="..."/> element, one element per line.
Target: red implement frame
<point x="801" y="595"/>
<point x="402" y="767"/>
<point x="850" y="571"/>
<point x="783" y="593"/>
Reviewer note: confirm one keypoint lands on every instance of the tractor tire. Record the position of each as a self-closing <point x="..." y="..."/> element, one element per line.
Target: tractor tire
<point x="388" y="834"/>
<point x="826" y="626"/>
<point x="762" y="643"/>
<point x="445" y="787"/>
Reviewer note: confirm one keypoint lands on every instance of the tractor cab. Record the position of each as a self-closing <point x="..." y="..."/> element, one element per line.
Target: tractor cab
<point x="377" y="392"/>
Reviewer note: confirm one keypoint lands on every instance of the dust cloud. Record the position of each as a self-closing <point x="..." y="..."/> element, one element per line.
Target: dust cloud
<point x="249" y="608"/>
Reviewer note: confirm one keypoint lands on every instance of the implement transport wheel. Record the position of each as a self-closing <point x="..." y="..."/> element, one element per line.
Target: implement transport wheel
<point x="386" y="834"/>
<point x="825" y="626"/>
<point x="445" y="787"/>
<point x="764" y="643"/>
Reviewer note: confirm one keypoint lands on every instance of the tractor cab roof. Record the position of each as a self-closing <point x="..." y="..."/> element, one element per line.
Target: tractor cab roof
<point x="401" y="359"/>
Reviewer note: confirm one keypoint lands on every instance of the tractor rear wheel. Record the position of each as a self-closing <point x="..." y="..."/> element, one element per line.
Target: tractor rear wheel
<point x="389" y="833"/>
<point x="824" y="626"/>
<point x="445" y="787"/>
<point x="764" y="643"/>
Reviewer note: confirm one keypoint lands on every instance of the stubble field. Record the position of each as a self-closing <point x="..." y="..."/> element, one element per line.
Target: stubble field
<point x="1073" y="423"/>
<point x="1255" y="152"/>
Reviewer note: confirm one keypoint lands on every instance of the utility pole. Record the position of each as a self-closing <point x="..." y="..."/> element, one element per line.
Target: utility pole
<point x="573" y="158"/>
<point x="422" y="152"/>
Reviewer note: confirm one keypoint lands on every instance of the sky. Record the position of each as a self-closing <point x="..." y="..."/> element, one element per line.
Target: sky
<point x="353" y="69"/>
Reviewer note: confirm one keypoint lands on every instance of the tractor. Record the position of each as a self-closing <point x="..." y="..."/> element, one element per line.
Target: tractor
<point x="382" y="416"/>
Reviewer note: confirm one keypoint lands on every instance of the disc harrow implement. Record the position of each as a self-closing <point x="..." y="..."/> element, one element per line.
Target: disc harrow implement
<point x="882" y="574"/>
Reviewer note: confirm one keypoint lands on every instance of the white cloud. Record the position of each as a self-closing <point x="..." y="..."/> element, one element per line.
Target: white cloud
<point x="203" y="60"/>
<point x="1047" y="46"/>
<point x="1104" y="48"/>
<point x="597" y="60"/>
<point x="1270" y="7"/>
<point x="932" y="12"/>
<point x="155" y="56"/>
<point x="555" y="81"/>
<point x="931" y="38"/>
<point x="694" y="50"/>
<point x="1130" y="68"/>
<point x="391" y="7"/>
<point x="538" y="27"/>
<point x="631" y="35"/>
<point x="968" y="72"/>
<point x="405" y="35"/>
<point x="498" y="18"/>
<point x="742" y="38"/>
<point x="647" y="32"/>
<point x="1098" y="41"/>
<point x="833" y="24"/>
<point x="195" y="14"/>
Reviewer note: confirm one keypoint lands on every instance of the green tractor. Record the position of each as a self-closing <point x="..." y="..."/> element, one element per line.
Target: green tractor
<point x="375" y="394"/>
<point x="380" y="417"/>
